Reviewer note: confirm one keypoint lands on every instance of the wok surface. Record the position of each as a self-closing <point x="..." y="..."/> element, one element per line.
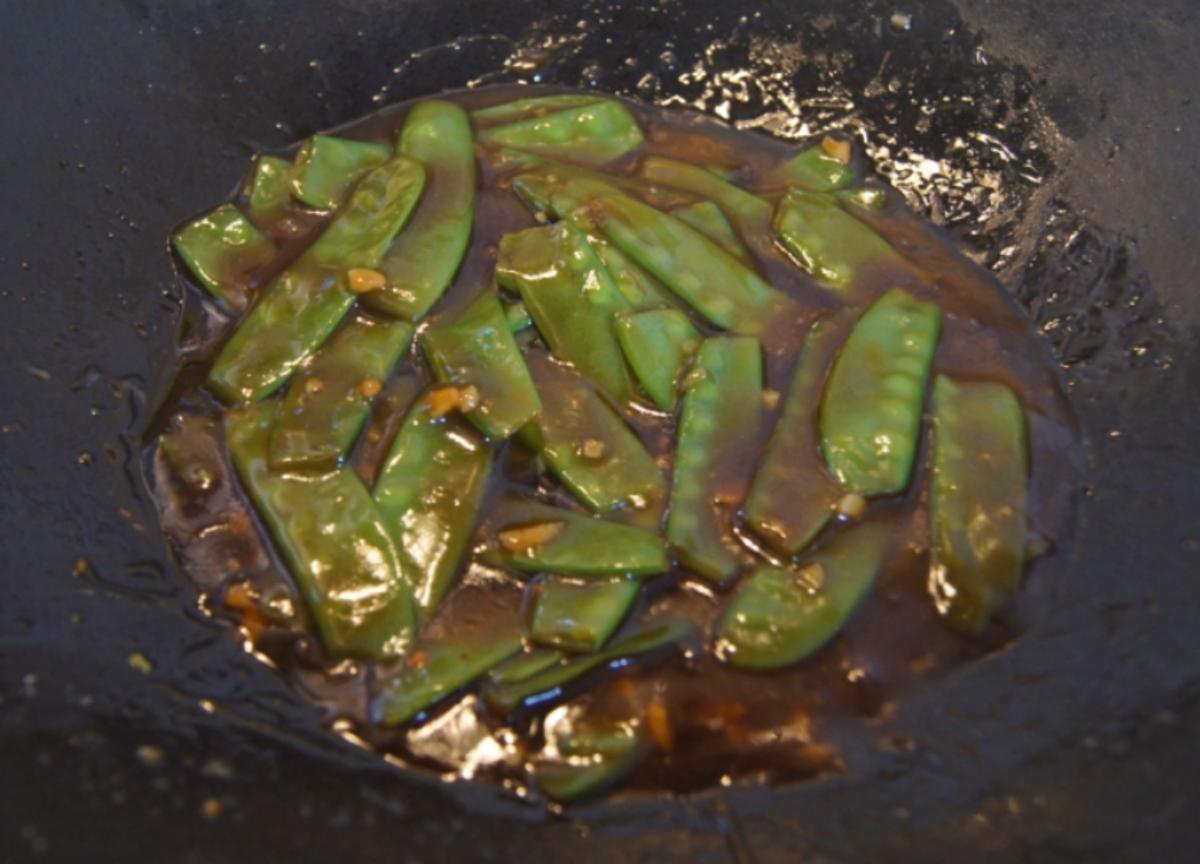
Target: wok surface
<point x="1077" y="743"/>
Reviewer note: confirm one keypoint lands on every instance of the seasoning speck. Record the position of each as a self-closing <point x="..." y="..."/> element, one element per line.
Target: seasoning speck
<point x="139" y="661"/>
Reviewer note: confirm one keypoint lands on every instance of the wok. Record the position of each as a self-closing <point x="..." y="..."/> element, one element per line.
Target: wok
<point x="1055" y="141"/>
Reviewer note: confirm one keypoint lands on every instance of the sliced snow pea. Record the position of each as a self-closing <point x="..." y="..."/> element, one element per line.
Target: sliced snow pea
<point x="540" y="184"/>
<point x="429" y="492"/>
<point x="720" y="421"/>
<point x="793" y="496"/>
<point x="588" y="446"/>
<point x="707" y="218"/>
<point x="977" y="503"/>
<point x="867" y="197"/>
<point x="658" y="343"/>
<point x="814" y="169"/>
<point x="549" y="684"/>
<point x="571" y="298"/>
<point x="327" y="403"/>
<point x="751" y="214"/>
<point x="306" y="302"/>
<point x="594" y="134"/>
<point x="524" y="665"/>
<point x="422" y="262"/>
<point x="537" y="538"/>
<point x="639" y="288"/>
<point x="781" y="615"/>
<point x="439" y="667"/>
<point x="517" y="316"/>
<point x="476" y="349"/>
<point x="827" y="241"/>
<point x="579" y="616"/>
<point x="535" y="106"/>
<point x="334" y="542"/>
<point x="222" y="249"/>
<point x="326" y="168"/>
<point x="270" y="187"/>
<point x="589" y="761"/>
<point x="871" y="411"/>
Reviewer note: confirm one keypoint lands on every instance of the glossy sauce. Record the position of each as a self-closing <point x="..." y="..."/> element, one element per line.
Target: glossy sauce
<point x="712" y="723"/>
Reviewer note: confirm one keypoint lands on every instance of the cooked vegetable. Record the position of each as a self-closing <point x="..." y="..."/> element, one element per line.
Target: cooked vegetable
<point x="827" y="241"/>
<point x="580" y="546"/>
<point x="707" y="218"/>
<point x="590" y="760"/>
<point x="306" y="302"/>
<point x="594" y="134"/>
<point x="977" y="503"/>
<point x="429" y="492"/>
<point x="871" y="411"/>
<point x="270" y="187"/>
<point x="422" y="262"/>
<point x="658" y="344"/>
<point x="549" y="684"/>
<point x="476" y="348"/>
<point x="720" y="420"/>
<point x="751" y="214"/>
<point x="327" y="403"/>
<point x="326" y="168"/>
<point x="793" y="495"/>
<point x="640" y="289"/>
<point x="588" y="446"/>
<point x="571" y="298"/>
<point x="780" y="615"/>
<point x="222" y="249"/>
<point x="524" y="665"/>
<point x="579" y="615"/>
<point x="815" y="169"/>
<point x="333" y="540"/>
<point x="535" y="106"/>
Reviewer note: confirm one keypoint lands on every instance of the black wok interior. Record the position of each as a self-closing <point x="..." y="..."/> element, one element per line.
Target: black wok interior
<point x="134" y="727"/>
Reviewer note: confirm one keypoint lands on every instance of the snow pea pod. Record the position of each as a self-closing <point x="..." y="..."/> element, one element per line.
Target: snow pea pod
<point x="814" y="169"/>
<point x="524" y="665"/>
<point x="781" y="615"/>
<point x="708" y="218"/>
<point x="594" y="134"/>
<point x="535" y="106"/>
<point x="221" y="249"/>
<point x="977" y="502"/>
<point x="477" y="349"/>
<point x="571" y="298"/>
<point x="439" y="667"/>
<point x="871" y="411"/>
<point x="334" y="542"/>
<point x="326" y="168"/>
<point x="306" y="302"/>
<point x="659" y="344"/>
<point x="548" y="684"/>
<point x="423" y="261"/>
<point x="720" y="420"/>
<point x="793" y="496"/>
<point x="751" y="214"/>
<point x="270" y="187"/>
<point x="429" y="491"/>
<point x="827" y="241"/>
<point x="589" y="761"/>
<point x="327" y="403"/>
<point x="639" y="288"/>
<point x="573" y="544"/>
<point x="588" y="446"/>
<point x="579" y="616"/>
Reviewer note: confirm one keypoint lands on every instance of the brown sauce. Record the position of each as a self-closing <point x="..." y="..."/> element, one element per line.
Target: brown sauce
<point x="722" y="724"/>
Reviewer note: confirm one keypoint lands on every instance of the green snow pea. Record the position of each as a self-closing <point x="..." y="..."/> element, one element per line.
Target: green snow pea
<point x="305" y="303"/>
<point x="334" y="542"/>
<point x="327" y="402"/>
<point x="781" y="615"/>
<point x="477" y="349"/>
<point x="720" y="420"/>
<point x="579" y="616"/>
<point x="751" y="214"/>
<point x="589" y="761"/>
<point x="977" y="502"/>
<point x="639" y="288"/>
<point x="813" y="169"/>
<point x="517" y="316"/>
<point x="524" y="665"/>
<point x="588" y="446"/>
<point x="326" y="168"/>
<point x="571" y="298"/>
<point x="439" y="667"/>
<point x="572" y="544"/>
<point x="594" y="134"/>
<point x="658" y="343"/>
<point x="827" y="241"/>
<point x="221" y="249"/>
<point x="708" y="218"/>
<point x="793" y="496"/>
<point x="429" y="491"/>
<point x="534" y="106"/>
<point x="871" y="411"/>
<point x="270" y="187"/>
<point x="423" y="261"/>
<point x="546" y="685"/>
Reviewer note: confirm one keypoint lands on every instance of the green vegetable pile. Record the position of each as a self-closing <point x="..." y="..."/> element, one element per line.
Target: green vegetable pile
<point x="640" y="289"/>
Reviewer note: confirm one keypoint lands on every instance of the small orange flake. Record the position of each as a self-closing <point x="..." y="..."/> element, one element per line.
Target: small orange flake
<point x="443" y="400"/>
<point x="370" y="387"/>
<point x="211" y="808"/>
<point x="851" y="506"/>
<point x="362" y="280"/>
<point x="838" y="148"/>
<point x="418" y="658"/>
<point x="659" y="723"/>
<point x="592" y="448"/>
<point x="313" y="385"/>
<point x="528" y="537"/>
